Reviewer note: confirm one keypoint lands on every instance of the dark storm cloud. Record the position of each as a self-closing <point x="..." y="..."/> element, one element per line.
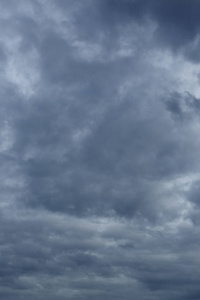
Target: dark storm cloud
<point x="99" y="150"/>
<point x="177" y="21"/>
<point x="107" y="170"/>
<point x="183" y="106"/>
<point x="42" y="249"/>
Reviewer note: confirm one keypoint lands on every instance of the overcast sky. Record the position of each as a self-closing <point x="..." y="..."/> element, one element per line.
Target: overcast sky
<point x="100" y="149"/>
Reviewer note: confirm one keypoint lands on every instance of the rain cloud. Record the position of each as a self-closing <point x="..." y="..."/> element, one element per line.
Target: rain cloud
<point x="99" y="152"/>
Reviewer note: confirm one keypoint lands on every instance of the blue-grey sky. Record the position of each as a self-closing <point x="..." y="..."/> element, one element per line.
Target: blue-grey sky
<point x="99" y="149"/>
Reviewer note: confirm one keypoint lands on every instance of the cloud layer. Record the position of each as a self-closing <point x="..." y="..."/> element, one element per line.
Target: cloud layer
<point x="99" y="149"/>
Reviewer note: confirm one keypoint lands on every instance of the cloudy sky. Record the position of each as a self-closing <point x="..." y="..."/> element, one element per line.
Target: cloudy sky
<point x="99" y="149"/>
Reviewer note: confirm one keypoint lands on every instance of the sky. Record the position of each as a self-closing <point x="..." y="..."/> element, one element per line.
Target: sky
<point x="99" y="149"/>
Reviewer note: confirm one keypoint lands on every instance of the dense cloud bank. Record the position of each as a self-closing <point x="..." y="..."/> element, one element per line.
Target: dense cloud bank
<point x="100" y="175"/>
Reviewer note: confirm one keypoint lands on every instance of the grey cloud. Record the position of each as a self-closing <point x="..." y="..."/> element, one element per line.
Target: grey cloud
<point x="99" y="150"/>
<point x="177" y="21"/>
<point x="108" y="170"/>
<point x="81" y="260"/>
<point x="182" y="106"/>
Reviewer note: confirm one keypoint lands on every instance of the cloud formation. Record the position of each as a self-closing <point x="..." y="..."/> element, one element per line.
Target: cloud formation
<point x="99" y="149"/>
